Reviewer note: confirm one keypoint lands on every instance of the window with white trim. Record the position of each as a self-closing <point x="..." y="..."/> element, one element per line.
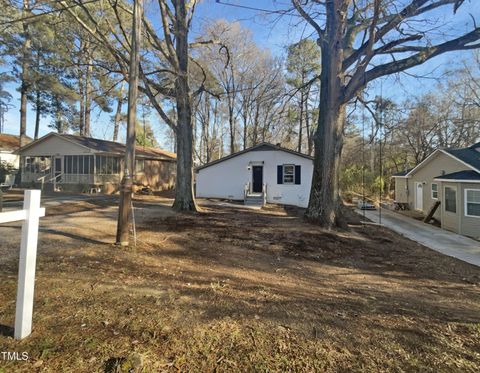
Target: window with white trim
<point x="289" y="174"/>
<point x="472" y="202"/>
<point x="434" y="191"/>
<point x="450" y="199"/>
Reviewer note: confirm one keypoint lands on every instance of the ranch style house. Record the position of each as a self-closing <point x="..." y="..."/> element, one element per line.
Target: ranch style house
<point x="260" y="174"/>
<point x="77" y="163"/>
<point x="449" y="179"/>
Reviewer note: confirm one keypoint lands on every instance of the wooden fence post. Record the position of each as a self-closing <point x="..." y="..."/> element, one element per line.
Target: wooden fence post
<point x="26" y="269"/>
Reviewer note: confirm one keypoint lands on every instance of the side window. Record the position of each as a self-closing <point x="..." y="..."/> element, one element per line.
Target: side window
<point x="434" y="191"/>
<point x="472" y="202"/>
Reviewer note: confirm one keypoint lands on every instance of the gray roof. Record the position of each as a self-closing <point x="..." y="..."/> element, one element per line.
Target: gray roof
<point x="470" y="155"/>
<point x="460" y="175"/>
<point x="264" y="146"/>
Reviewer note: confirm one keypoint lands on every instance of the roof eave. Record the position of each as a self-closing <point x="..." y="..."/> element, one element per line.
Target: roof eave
<point x="457" y="180"/>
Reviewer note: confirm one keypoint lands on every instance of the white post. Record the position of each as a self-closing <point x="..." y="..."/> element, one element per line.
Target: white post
<point x="26" y="269"/>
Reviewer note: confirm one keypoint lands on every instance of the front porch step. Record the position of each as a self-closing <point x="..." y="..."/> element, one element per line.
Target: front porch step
<point x="254" y="199"/>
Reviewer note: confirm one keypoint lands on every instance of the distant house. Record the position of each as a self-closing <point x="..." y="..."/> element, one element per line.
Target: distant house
<point x="264" y="172"/>
<point x="452" y="177"/>
<point x="8" y="145"/>
<point x="76" y="163"/>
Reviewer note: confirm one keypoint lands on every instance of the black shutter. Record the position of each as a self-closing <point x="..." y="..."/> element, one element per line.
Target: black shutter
<point x="279" y="174"/>
<point x="298" y="174"/>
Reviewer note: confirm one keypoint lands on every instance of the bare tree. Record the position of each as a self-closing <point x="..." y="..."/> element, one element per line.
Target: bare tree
<point x="361" y="42"/>
<point x="164" y="69"/>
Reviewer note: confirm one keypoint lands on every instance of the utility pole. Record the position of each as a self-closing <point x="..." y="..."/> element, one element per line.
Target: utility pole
<point x="124" y="211"/>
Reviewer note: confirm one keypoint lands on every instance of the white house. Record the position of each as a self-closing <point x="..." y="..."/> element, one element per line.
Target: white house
<point x="276" y="174"/>
<point x="8" y="145"/>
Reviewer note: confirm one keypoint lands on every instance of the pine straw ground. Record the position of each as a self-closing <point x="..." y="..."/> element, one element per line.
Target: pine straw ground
<point x="240" y="290"/>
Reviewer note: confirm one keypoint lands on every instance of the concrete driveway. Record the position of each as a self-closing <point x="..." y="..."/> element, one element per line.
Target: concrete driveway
<point x="437" y="239"/>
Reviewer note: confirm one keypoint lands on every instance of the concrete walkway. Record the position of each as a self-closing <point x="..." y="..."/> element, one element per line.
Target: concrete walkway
<point x="437" y="239"/>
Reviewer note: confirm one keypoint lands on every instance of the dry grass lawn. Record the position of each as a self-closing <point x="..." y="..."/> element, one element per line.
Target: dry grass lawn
<point x="233" y="289"/>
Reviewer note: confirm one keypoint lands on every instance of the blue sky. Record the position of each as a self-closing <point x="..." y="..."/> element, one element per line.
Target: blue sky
<point x="274" y="32"/>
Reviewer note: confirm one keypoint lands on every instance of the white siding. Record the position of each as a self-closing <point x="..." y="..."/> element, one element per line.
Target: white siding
<point x="227" y="179"/>
<point x="10" y="158"/>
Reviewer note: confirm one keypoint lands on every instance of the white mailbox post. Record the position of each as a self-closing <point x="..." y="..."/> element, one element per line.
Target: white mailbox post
<point x="28" y="253"/>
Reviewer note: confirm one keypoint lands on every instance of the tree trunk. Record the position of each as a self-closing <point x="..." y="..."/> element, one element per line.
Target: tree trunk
<point x="25" y="85"/>
<point x="58" y="115"/>
<point x="324" y="201"/>
<point x="81" y="124"/>
<point x="118" y="114"/>
<point x="231" y="123"/>
<point x="88" y="97"/>
<point x="300" y="125"/>
<point x="81" y="91"/>
<point x="124" y="210"/>
<point x="184" y="196"/>
<point x="245" y="125"/>
<point x="38" y="112"/>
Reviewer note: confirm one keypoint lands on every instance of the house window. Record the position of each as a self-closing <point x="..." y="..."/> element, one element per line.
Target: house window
<point x="107" y="165"/>
<point x="434" y="191"/>
<point x="472" y="202"/>
<point x="78" y="164"/>
<point x="38" y="165"/>
<point x="450" y="199"/>
<point x="288" y="174"/>
<point x="139" y="165"/>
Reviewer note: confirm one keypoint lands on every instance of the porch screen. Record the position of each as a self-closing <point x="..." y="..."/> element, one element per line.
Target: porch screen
<point x="107" y="165"/>
<point x="78" y="164"/>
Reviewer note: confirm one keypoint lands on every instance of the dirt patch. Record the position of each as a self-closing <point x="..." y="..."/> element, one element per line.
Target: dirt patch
<point x="232" y="289"/>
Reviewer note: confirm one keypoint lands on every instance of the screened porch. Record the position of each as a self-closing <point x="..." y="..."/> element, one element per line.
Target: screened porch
<point x="71" y="169"/>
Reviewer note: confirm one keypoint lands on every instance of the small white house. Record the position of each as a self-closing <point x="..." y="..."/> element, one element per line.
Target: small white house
<point x="8" y="145"/>
<point x="275" y="174"/>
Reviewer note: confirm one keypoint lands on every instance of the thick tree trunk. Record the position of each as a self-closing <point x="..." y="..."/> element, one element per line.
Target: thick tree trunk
<point x="324" y="201"/>
<point x="25" y="85"/>
<point x="184" y="196"/>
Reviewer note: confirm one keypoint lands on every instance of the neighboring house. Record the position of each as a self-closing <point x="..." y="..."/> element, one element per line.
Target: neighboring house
<point x="8" y="145"/>
<point x="451" y="176"/>
<point x="276" y="174"/>
<point x="77" y="163"/>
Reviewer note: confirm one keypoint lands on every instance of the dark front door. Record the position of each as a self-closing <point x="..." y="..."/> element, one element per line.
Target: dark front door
<point x="257" y="176"/>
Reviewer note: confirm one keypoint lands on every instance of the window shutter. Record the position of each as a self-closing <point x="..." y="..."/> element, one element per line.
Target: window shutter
<point x="279" y="174"/>
<point x="298" y="174"/>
